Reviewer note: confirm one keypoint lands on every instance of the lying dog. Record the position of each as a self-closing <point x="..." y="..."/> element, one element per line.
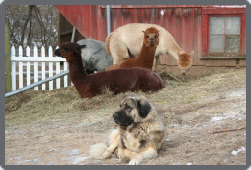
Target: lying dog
<point x="140" y="134"/>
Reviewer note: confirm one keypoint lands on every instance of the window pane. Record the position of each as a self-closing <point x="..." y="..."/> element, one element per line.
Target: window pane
<point x="232" y="43"/>
<point x="216" y="25"/>
<point x="232" y="25"/>
<point x="216" y="44"/>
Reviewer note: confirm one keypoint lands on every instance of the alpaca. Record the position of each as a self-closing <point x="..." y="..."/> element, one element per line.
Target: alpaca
<point x="126" y="38"/>
<point x="119" y="80"/>
<point x="94" y="55"/>
<point x="146" y="55"/>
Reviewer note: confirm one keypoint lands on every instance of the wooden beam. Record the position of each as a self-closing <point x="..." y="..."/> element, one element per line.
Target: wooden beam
<point x="7" y="59"/>
<point x="219" y="58"/>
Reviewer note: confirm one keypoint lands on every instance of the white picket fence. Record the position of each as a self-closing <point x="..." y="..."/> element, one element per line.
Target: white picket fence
<point x="36" y="67"/>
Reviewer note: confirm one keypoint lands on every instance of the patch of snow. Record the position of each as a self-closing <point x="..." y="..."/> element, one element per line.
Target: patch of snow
<point x="167" y="139"/>
<point x="173" y="125"/>
<point x="71" y="152"/>
<point x="186" y="126"/>
<point x="238" y="93"/>
<point x="18" y="158"/>
<point x="249" y="1"/>
<point x="214" y="119"/>
<point x="189" y="163"/>
<point x="1" y="168"/>
<point x="35" y="160"/>
<point x="1" y="1"/>
<point x="24" y="161"/>
<point x="239" y="150"/>
<point x="75" y="159"/>
<point x="79" y="159"/>
<point x="51" y="163"/>
<point x="228" y="115"/>
<point x="52" y="150"/>
<point x="250" y="166"/>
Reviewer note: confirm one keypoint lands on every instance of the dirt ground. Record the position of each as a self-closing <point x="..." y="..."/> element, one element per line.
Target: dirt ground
<point x="58" y="128"/>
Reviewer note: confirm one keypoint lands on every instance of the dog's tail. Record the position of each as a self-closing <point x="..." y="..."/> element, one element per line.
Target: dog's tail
<point x="97" y="150"/>
<point x="107" y="44"/>
<point x="104" y="151"/>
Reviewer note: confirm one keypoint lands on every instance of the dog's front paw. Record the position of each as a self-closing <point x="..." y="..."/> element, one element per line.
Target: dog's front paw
<point x="135" y="161"/>
<point x="106" y="155"/>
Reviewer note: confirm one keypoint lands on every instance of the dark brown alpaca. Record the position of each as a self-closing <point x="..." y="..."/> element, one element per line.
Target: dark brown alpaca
<point x="119" y="80"/>
<point x="147" y="53"/>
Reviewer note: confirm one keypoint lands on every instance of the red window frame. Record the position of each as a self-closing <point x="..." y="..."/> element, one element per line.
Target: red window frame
<point x="222" y="12"/>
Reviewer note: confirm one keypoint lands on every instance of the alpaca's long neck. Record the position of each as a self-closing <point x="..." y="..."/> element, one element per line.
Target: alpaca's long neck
<point x="146" y="56"/>
<point x="77" y="71"/>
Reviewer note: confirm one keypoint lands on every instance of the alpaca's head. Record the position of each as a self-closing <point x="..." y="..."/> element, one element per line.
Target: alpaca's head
<point x="185" y="62"/>
<point x="151" y="37"/>
<point x="69" y="50"/>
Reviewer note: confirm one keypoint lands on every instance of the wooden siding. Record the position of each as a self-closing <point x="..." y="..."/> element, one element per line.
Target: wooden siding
<point x="65" y="31"/>
<point x="185" y="23"/>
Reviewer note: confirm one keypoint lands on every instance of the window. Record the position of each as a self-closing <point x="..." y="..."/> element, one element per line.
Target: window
<point x="224" y="35"/>
<point x="223" y="32"/>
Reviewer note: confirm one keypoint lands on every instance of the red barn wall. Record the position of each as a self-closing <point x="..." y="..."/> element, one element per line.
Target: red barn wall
<point x="183" y="22"/>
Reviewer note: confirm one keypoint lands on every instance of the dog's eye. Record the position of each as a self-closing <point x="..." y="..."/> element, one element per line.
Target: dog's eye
<point x="128" y="107"/>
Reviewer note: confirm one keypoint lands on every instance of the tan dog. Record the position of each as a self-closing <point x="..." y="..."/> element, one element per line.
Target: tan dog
<point x="140" y="134"/>
<point x="126" y="40"/>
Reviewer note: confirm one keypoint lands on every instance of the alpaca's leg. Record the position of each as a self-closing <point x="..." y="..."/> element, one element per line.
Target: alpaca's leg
<point x="119" y="51"/>
<point x="155" y="63"/>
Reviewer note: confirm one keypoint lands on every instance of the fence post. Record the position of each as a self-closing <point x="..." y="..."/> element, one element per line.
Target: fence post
<point x="13" y="69"/>
<point x="28" y="67"/>
<point x="57" y="72"/>
<point x="7" y="59"/>
<point x="35" y="52"/>
<point x="20" y="68"/>
<point x="43" y="66"/>
<point x="50" y="68"/>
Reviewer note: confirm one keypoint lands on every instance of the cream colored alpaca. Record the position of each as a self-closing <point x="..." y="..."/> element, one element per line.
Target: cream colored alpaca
<point x="130" y="37"/>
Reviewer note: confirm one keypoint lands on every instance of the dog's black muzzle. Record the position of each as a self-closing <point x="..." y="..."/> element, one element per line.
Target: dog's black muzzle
<point x="121" y="118"/>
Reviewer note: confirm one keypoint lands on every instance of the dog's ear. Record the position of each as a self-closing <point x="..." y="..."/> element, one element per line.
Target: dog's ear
<point x="144" y="107"/>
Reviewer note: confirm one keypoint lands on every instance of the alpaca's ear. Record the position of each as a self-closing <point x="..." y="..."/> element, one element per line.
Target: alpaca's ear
<point x="80" y="47"/>
<point x="143" y="32"/>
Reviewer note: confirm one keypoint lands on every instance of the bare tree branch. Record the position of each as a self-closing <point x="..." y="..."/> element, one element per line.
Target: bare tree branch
<point x="25" y="24"/>
<point x="35" y="23"/>
<point x="42" y="27"/>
